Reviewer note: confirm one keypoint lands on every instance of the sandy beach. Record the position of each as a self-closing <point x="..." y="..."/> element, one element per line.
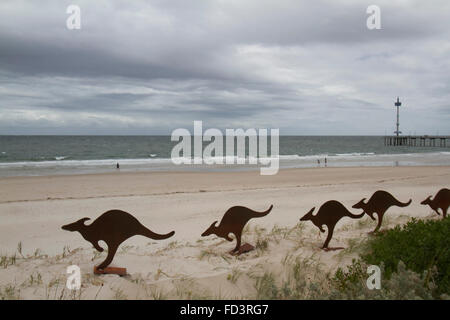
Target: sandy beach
<point x="33" y="209"/>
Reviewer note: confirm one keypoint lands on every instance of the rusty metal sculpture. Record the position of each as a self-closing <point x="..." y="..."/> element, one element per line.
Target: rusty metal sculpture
<point x="379" y="203"/>
<point x="440" y="201"/>
<point x="113" y="227"/>
<point x="329" y="214"/>
<point x="233" y="221"/>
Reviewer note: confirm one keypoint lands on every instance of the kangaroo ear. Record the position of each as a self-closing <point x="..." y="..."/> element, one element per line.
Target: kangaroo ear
<point x="84" y="219"/>
<point x="308" y="216"/>
<point x="360" y="202"/>
<point x="209" y="230"/>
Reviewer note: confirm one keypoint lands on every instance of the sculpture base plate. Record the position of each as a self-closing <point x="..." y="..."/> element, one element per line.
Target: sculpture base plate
<point x="333" y="248"/>
<point x="246" y="247"/>
<point x="376" y="233"/>
<point x="111" y="270"/>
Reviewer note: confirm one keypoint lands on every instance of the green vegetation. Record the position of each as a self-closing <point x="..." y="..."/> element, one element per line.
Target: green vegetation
<point x="418" y="251"/>
<point x="9" y="292"/>
<point x="6" y="261"/>
<point x="420" y="245"/>
<point x="402" y="285"/>
<point x="303" y="280"/>
<point x="234" y="275"/>
<point x="414" y="260"/>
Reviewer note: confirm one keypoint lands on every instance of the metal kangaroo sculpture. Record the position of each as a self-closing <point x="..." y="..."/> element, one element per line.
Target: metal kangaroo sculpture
<point x="233" y="221"/>
<point x="379" y="203"/>
<point x="113" y="227"/>
<point x="329" y="214"/>
<point x="441" y="200"/>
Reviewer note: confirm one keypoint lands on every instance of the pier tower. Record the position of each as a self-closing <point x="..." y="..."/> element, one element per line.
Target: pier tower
<point x="398" y="104"/>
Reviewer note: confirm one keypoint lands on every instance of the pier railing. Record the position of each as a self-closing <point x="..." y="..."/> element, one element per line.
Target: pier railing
<point x="418" y="141"/>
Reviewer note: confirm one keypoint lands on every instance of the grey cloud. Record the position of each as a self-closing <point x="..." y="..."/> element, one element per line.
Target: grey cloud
<point x="307" y="67"/>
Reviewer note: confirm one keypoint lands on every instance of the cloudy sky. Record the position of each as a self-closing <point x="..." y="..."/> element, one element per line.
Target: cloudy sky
<point x="148" y="67"/>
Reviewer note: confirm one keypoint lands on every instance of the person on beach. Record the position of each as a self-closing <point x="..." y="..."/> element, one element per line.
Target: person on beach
<point x="318" y="162"/>
<point x="325" y="161"/>
<point x="117" y="166"/>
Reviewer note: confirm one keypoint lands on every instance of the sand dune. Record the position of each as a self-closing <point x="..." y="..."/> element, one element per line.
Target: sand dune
<point x="32" y="210"/>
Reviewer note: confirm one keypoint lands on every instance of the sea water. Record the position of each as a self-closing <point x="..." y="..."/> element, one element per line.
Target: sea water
<point x="49" y="155"/>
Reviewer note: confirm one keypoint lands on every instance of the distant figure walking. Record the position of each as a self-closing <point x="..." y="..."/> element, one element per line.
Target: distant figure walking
<point x="325" y="161"/>
<point x="318" y="162"/>
<point x="117" y="166"/>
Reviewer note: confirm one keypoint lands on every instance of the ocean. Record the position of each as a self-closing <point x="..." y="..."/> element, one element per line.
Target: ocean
<point x="49" y="155"/>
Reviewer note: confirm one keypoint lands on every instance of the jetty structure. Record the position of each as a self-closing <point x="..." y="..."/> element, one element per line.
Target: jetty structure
<point x="418" y="141"/>
<point x="414" y="141"/>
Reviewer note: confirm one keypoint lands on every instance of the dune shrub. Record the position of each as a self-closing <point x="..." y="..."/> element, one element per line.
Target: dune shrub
<point x="421" y="245"/>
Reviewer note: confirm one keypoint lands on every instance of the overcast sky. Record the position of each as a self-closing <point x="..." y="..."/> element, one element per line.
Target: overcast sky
<point x="148" y="67"/>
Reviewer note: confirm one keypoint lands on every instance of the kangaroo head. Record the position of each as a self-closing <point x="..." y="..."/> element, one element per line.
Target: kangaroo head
<point x="426" y="201"/>
<point x="360" y="204"/>
<point x="308" y="216"/>
<point x="211" y="230"/>
<point x="75" y="226"/>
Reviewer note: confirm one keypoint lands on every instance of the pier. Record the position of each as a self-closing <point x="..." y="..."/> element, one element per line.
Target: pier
<point x="418" y="141"/>
<point x="414" y="141"/>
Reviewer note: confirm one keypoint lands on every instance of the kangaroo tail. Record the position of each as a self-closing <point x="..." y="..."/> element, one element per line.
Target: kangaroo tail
<point x="401" y="204"/>
<point x="156" y="236"/>
<point x="355" y="216"/>
<point x="395" y="202"/>
<point x="257" y="214"/>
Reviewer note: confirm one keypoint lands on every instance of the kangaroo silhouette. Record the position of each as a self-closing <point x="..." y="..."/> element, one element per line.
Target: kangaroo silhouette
<point x="379" y="203"/>
<point x="113" y="227"/>
<point x="440" y="200"/>
<point x="233" y="221"/>
<point x="329" y="214"/>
